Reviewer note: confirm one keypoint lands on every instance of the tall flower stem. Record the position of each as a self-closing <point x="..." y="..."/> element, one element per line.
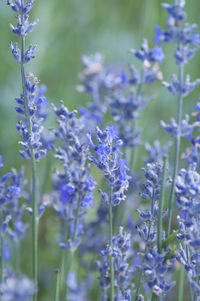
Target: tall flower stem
<point x="160" y="207"/>
<point x="57" y="285"/>
<point x="17" y="257"/>
<point x="181" y="283"/>
<point x="154" y="297"/>
<point x="110" y="243"/>
<point x="34" y="196"/>
<point x="70" y="256"/>
<point x="65" y="229"/>
<point x="177" y="152"/>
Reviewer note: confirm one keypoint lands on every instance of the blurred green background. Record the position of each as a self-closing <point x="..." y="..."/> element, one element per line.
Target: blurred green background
<point x="68" y="29"/>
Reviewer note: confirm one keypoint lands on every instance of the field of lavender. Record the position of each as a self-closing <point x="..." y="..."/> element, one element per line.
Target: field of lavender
<point x="99" y="192"/>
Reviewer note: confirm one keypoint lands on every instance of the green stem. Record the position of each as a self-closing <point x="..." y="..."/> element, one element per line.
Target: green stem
<point x="71" y="254"/>
<point x="181" y="283"/>
<point x="154" y="297"/>
<point x="138" y="284"/>
<point x="177" y="152"/>
<point x="57" y="285"/>
<point x="34" y="196"/>
<point x="76" y="221"/>
<point x="63" y="275"/>
<point x="110" y="243"/>
<point x="17" y="257"/>
<point x="160" y="207"/>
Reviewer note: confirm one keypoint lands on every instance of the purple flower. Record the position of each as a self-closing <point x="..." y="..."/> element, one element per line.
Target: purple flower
<point x="152" y="55"/>
<point x="122" y="272"/>
<point x="23" y="27"/>
<point x="74" y="184"/>
<point x="17" y="289"/>
<point x="36" y="103"/>
<point x="108" y="159"/>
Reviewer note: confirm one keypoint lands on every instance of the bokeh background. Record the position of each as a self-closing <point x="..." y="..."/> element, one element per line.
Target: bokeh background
<point x="67" y="30"/>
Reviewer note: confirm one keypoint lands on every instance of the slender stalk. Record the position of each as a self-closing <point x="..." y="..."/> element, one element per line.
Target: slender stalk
<point x="160" y="207"/>
<point x="181" y="283"/>
<point x="154" y="297"/>
<point x="191" y="293"/>
<point x="17" y="257"/>
<point x="177" y="153"/>
<point x="110" y="243"/>
<point x="63" y="271"/>
<point x="57" y="285"/>
<point x="76" y="221"/>
<point x="138" y="284"/>
<point x="34" y="197"/>
<point x="71" y="253"/>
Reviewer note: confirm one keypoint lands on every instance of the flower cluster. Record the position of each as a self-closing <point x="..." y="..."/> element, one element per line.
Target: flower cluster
<point x="36" y="103"/>
<point x="156" y="152"/>
<point x="122" y="273"/>
<point x="185" y="129"/>
<point x="126" y="100"/>
<point x="17" y="289"/>
<point x="11" y="189"/>
<point x="32" y="101"/>
<point x="92" y="79"/>
<point x="192" y="153"/>
<point x="155" y="272"/>
<point x="186" y="36"/>
<point x="75" y="185"/>
<point x="108" y="159"/>
<point x="188" y="192"/>
<point x="153" y="267"/>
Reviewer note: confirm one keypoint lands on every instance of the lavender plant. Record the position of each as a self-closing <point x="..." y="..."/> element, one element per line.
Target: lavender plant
<point x="107" y="158"/>
<point x="187" y="41"/>
<point x="29" y="104"/>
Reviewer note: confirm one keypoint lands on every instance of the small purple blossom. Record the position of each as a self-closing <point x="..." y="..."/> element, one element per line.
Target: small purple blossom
<point x="176" y="88"/>
<point x="151" y="55"/>
<point x="17" y="289"/>
<point x="185" y="129"/>
<point x="120" y="253"/>
<point x="75" y="185"/>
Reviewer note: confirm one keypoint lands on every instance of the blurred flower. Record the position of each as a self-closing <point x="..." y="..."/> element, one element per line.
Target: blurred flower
<point x="75" y="185"/>
<point x="17" y="289"/>
<point x="185" y="129"/>
<point x="151" y="55"/>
